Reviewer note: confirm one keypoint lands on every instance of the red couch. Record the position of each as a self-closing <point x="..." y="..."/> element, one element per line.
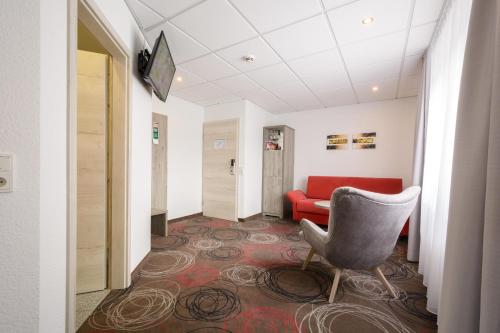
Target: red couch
<point x="321" y="188"/>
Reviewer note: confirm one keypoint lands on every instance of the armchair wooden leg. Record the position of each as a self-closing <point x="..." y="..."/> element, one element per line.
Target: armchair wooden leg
<point x="335" y="285"/>
<point x="381" y="277"/>
<point x="308" y="259"/>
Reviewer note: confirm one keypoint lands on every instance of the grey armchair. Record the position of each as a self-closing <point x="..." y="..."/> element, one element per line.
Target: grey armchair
<point x="363" y="229"/>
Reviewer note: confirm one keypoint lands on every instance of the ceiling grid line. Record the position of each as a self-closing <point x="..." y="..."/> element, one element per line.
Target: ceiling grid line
<point x="250" y="38"/>
<point x="231" y="65"/>
<point x="167" y="19"/>
<point x="303" y="62"/>
<point x="340" y="51"/>
<point x="279" y="55"/>
<point x="403" y="58"/>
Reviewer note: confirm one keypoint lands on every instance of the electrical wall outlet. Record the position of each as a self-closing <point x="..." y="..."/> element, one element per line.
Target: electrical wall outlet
<point x="6" y="173"/>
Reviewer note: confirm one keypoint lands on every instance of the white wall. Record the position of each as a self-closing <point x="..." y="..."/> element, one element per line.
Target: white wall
<point x="184" y="155"/>
<point x="255" y="119"/>
<point x="122" y="22"/>
<point x="20" y="134"/>
<point x="53" y="158"/>
<point x="252" y="119"/>
<point x="394" y="122"/>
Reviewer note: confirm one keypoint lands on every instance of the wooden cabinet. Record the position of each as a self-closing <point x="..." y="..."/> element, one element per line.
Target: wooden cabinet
<point x="277" y="170"/>
<point x="159" y="216"/>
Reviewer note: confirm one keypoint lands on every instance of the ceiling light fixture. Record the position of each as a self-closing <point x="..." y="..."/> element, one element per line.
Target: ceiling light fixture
<point x="367" y="20"/>
<point x="179" y="79"/>
<point x="248" y="58"/>
<point x="375" y="88"/>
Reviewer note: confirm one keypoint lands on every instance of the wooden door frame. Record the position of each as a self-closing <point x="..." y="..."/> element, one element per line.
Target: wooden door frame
<point x="119" y="275"/>
<point x="237" y="166"/>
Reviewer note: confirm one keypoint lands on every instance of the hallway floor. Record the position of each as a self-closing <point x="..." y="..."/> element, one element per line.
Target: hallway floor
<point x="212" y="275"/>
<point x="86" y="303"/>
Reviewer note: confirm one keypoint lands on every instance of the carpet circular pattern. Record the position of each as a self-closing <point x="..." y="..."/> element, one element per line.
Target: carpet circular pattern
<point x="216" y="276"/>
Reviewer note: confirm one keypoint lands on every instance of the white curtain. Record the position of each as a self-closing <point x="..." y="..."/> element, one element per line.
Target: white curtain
<point x="444" y="67"/>
<point x="418" y="165"/>
<point x="470" y="300"/>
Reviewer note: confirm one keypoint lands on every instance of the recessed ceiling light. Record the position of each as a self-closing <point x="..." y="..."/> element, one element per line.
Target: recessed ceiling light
<point x="375" y="88"/>
<point x="367" y="20"/>
<point x="179" y="79"/>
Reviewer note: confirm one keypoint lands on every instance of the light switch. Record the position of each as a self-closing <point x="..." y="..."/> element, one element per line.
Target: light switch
<point x="6" y="173"/>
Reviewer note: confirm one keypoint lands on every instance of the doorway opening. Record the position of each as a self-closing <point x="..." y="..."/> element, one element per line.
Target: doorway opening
<point x="220" y="169"/>
<point x="93" y="172"/>
<point x="98" y="131"/>
<point x="159" y="214"/>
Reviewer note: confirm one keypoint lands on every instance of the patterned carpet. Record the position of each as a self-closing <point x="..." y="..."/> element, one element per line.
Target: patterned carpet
<point x="213" y="275"/>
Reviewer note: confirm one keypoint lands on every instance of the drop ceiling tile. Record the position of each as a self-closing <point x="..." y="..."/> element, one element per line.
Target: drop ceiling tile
<point x="290" y="89"/>
<point x="215" y="24"/>
<point x="145" y="16"/>
<point x="265" y="100"/>
<point x="419" y="39"/>
<point x="386" y="90"/>
<point x="257" y="94"/>
<point x="201" y="92"/>
<point x="413" y="65"/>
<point x="301" y="39"/>
<point x="426" y="11"/>
<point x="297" y="95"/>
<point x="187" y="79"/>
<point x="267" y="15"/>
<point x="329" y="4"/>
<point x="237" y="83"/>
<point x="219" y="100"/>
<point x="272" y="76"/>
<point x="390" y="16"/>
<point x="329" y="81"/>
<point x="210" y="67"/>
<point x="170" y="8"/>
<point x="409" y="86"/>
<point x="338" y="97"/>
<point x="276" y="106"/>
<point x="316" y="64"/>
<point x="320" y="71"/>
<point x="303" y="104"/>
<point x="378" y="71"/>
<point x="385" y="48"/>
<point x="181" y="46"/>
<point x="264" y="55"/>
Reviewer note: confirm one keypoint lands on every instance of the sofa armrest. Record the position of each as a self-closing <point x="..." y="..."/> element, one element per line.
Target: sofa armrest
<point x="295" y="196"/>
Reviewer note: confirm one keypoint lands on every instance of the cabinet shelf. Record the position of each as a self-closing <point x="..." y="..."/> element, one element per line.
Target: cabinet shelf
<point x="277" y="170"/>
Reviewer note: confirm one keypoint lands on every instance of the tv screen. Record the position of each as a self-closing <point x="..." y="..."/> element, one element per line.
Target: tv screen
<point x="160" y="69"/>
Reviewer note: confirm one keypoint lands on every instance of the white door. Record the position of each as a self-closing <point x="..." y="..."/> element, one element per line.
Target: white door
<point x="92" y="105"/>
<point x="220" y="169"/>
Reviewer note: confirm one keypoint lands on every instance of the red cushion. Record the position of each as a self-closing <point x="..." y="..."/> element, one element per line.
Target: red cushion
<point x="308" y="206"/>
<point x="378" y="185"/>
<point x="322" y="187"/>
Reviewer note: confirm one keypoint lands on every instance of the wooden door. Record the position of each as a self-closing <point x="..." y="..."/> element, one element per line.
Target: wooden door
<point x="92" y="106"/>
<point x="220" y="169"/>
<point x="159" y="163"/>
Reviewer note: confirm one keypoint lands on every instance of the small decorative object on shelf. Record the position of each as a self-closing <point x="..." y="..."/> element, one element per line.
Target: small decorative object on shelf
<point x="274" y="140"/>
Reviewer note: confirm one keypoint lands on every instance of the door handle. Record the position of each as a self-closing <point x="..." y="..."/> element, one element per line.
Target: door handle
<point x="232" y="164"/>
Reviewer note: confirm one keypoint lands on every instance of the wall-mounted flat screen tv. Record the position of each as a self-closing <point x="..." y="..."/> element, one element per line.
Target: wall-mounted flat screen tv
<point x="160" y="69"/>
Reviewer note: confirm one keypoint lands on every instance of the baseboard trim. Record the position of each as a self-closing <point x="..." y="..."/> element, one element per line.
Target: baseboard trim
<point x="185" y="217"/>
<point x="251" y="217"/>
<point x="138" y="268"/>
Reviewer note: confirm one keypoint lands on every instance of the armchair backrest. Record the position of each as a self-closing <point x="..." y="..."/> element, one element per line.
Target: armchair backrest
<point x="364" y="226"/>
